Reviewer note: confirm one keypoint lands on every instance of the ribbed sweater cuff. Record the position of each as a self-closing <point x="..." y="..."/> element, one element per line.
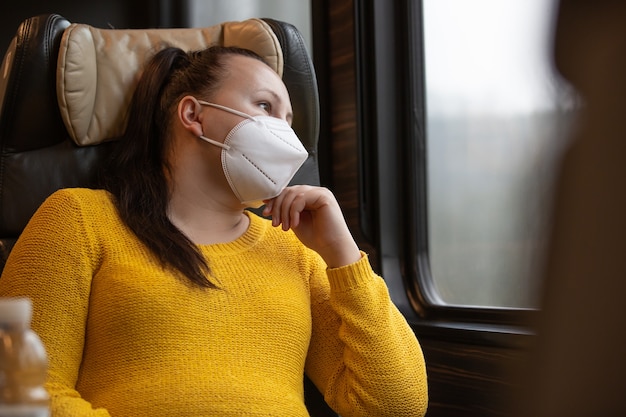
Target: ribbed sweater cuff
<point x="350" y="276"/>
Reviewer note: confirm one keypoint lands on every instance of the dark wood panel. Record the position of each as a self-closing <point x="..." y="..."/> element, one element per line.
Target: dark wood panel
<point x="343" y="115"/>
<point x="465" y="379"/>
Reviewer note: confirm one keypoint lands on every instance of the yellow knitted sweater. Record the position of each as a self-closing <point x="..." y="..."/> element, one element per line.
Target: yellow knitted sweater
<point x="128" y="337"/>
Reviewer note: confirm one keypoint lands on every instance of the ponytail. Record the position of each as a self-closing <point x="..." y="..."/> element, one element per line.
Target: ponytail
<point x="137" y="170"/>
<point x="136" y="173"/>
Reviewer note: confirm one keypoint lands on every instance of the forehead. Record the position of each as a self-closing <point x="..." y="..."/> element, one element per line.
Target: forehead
<point x="252" y="73"/>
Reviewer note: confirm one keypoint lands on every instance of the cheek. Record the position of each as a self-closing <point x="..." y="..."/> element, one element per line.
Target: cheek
<point x="219" y="128"/>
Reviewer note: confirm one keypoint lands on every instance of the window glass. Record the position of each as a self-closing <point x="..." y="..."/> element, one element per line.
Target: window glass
<point x="297" y="12"/>
<point x="496" y="122"/>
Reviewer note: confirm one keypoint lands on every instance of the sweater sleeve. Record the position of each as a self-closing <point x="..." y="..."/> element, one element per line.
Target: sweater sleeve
<point x="52" y="263"/>
<point x="363" y="355"/>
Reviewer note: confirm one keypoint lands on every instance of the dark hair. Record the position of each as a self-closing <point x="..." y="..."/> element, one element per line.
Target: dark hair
<point x="136" y="174"/>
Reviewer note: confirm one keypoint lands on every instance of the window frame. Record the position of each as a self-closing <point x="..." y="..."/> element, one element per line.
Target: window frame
<point x="393" y="206"/>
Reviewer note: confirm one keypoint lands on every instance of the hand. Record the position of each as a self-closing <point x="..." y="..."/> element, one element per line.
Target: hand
<point x="316" y="218"/>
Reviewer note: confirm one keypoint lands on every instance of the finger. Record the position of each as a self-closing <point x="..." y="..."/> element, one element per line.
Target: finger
<point x="267" y="210"/>
<point x="286" y="205"/>
<point x="276" y="204"/>
<point x="296" y="208"/>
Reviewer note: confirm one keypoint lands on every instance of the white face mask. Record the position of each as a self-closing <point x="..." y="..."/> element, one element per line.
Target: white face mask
<point x="260" y="156"/>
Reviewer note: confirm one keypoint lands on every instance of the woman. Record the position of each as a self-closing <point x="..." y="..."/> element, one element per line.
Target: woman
<point x="160" y="295"/>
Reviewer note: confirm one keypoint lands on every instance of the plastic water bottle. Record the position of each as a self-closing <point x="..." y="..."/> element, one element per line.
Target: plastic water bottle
<point x="23" y="362"/>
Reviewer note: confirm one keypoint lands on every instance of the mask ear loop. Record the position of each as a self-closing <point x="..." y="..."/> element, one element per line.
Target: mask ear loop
<point x="211" y="141"/>
<point x="214" y="142"/>
<point x="227" y="109"/>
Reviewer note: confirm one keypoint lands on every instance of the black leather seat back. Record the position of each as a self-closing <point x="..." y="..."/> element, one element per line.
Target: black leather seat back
<point x="37" y="156"/>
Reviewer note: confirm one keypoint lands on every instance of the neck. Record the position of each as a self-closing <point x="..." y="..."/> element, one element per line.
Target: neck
<point x="205" y="223"/>
<point x="201" y="203"/>
<point x="204" y="212"/>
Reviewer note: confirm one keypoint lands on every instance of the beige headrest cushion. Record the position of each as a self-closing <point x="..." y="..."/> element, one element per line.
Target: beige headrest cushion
<point x="98" y="68"/>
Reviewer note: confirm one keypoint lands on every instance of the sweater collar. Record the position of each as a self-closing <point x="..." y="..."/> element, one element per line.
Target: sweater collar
<point x="251" y="237"/>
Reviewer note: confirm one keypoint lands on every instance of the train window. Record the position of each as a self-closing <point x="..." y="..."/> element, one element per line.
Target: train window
<point x="495" y="117"/>
<point x="207" y="13"/>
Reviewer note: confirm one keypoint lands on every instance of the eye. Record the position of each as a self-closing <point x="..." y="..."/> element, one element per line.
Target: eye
<point x="267" y="107"/>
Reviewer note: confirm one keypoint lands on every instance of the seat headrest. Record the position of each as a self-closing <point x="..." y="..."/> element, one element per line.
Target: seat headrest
<point x="98" y="68"/>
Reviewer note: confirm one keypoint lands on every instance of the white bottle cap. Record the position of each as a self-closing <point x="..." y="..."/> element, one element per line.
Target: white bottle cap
<point x="15" y="311"/>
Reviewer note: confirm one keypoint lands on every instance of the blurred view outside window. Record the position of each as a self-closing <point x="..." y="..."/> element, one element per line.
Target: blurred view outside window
<point x="208" y="13"/>
<point x="497" y="122"/>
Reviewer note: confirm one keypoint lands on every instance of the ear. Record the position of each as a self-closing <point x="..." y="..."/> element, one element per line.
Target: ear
<point x="189" y="113"/>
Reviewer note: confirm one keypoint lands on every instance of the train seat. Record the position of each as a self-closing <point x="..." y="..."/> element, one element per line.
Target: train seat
<point x="57" y="122"/>
<point x="63" y="94"/>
